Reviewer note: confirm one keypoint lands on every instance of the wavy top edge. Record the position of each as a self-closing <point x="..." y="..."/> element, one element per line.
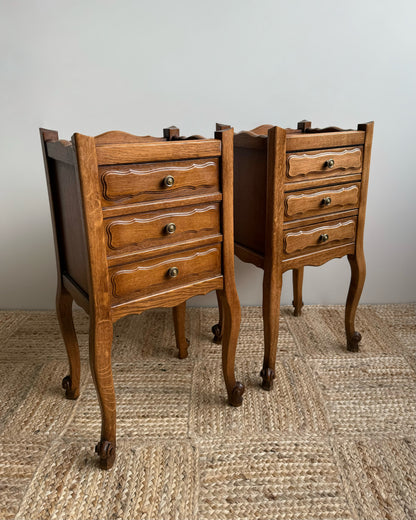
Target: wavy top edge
<point x="119" y="137"/>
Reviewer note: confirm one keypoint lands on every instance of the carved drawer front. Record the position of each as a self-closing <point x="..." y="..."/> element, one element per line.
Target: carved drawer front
<point x="310" y="239"/>
<point x="323" y="163"/>
<point x="322" y="201"/>
<point x="154" y="229"/>
<point x="130" y="183"/>
<point x="165" y="273"/>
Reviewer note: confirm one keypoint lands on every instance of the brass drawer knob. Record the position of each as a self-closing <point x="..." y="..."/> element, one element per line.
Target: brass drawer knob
<point x="326" y="201"/>
<point x="329" y="163"/>
<point x="169" y="181"/>
<point x="170" y="228"/>
<point x="173" y="272"/>
<point x="323" y="238"/>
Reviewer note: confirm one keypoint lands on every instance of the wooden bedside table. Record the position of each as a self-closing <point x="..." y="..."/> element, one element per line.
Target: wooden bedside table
<point x="300" y="199"/>
<point x="140" y="222"/>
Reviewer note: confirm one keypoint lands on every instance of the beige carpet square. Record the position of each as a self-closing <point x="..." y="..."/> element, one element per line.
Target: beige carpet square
<point x="153" y="399"/>
<point x="373" y="395"/>
<point x="294" y="405"/>
<point x="379" y="476"/>
<point x="19" y="463"/>
<point x="270" y="479"/>
<point x="149" y="481"/>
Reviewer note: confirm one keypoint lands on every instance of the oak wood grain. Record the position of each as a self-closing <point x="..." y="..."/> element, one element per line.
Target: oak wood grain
<point x="319" y="219"/>
<point x="318" y="238"/>
<point x="308" y="165"/>
<point x="145" y="182"/>
<point x="326" y="140"/>
<point x="179" y="315"/>
<point x="152" y="274"/>
<point x="322" y="181"/>
<point x="230" y="305"/>
<point x="297" y="281"/>
<point x="130" y="208"/>
<point x="166" y="297"/>
<point x="60" y="150"/>
<point x="165" y="151"/>
<point x="321" y="201"/>
<point x="101" y="327"/>
<point x="150" y="229"/>
<point x="357" y="261"/>
<point x="272" y="280"/>
<point x="117" y="137"/>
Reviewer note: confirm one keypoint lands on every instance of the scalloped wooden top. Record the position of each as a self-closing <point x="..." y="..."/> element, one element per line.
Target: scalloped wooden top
<point x="302" y="138"/>
<point x="118" y="137"/>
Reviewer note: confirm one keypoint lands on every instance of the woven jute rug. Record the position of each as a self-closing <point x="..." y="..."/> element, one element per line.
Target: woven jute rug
<point x="335" y="439"/>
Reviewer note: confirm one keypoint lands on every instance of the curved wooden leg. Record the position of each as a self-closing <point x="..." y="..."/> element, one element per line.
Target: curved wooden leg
<point x="217" y="328"/>
<point x="272" y="288"/>
<point x="182" y="343"/>
<point x="231" y="314"/>
<point x="101" y="336"/>
<point x="70" y="383"/>
<point x="357" y="264"/>
<point x="297" y="279"/>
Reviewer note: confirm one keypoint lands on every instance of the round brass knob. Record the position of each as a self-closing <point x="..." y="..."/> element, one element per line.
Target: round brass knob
<point x="173" y="272"/>
<point x="170" y="228"/>
<point x="169" y="181"/>
<point x="326" y="201"/>
<point x="323" y="238"/>
<point x="329" y="163"/>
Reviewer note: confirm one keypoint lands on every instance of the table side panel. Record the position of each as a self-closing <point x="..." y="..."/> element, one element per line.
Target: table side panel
<point x="69" y="221"/>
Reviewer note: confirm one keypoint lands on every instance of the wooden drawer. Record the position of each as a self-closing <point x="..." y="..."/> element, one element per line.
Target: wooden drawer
<point x="323" y="163"/>
<point x="131" y="183"/>
<point x="157" y="274"/>
<point x="154" y="229"/>
<point x="311" y="239"/>
<point x="322" y="201"/>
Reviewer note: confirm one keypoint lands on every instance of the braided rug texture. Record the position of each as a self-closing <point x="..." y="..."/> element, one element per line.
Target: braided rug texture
<point x="334" y="440"/>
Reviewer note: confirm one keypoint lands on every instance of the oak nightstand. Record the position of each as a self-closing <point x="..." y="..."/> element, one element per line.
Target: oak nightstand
<point x="300" y="199"/>
<point x="140" y="222"/>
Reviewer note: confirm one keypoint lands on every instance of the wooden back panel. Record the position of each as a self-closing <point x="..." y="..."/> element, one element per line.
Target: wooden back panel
<point x="66" y="210"/>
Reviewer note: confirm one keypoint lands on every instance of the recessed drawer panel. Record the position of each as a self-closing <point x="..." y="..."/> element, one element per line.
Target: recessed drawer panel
<point x="323" y="163"/>
<point x="165" y="272"/>
<point x="316" y="238"/>
<point x="161" y="228"/>
<point x="130" y="183"/>
<point x="310" y="203"/>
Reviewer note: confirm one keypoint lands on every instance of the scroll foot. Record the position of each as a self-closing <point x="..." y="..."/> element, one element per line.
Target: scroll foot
<point x="297" y="311"/>
<point x="268" y="375"/>
<point x="353" y="341"/>
<point x="217" y="331"/>
<point x="183" y="353"/>
<point x="107" y="452"/>
<point x="70" y="391"/>
<point x="236" y="396"/>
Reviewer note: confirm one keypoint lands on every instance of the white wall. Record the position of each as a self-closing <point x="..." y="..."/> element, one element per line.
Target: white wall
<point x="91" y="66"/>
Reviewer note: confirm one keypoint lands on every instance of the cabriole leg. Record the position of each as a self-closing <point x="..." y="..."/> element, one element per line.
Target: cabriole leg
<point x="297" y="279"/>
<point x="272" y="288"/>
<point x="101" y="336"/>
<point x="231" y="315"/>
<point x="182" y="343"/>
<point x="357" y="264"/>
<point x="70" y="383"/>
<point x="217" y="328"/>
